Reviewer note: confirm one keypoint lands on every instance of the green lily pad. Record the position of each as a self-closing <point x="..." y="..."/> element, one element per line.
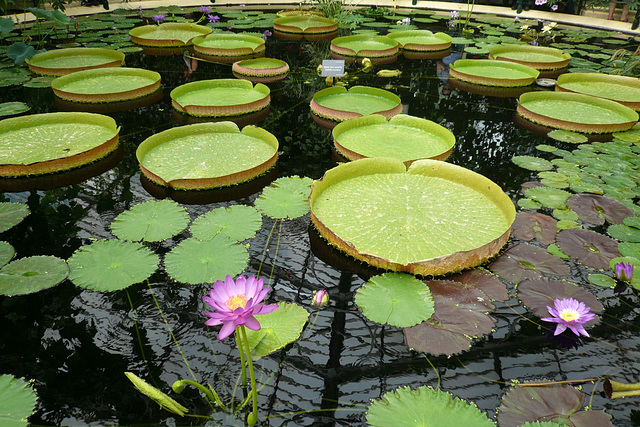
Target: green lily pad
<point x="285" y="198"/>
<point x="39" y="82"/>
<point x="277" y="329"/>
<point x="631" y="135"/>
<point x="424" y="407"/>
<point x="629" y="249"/>
<point x="151" y="221"/>
<point x="566" y="224"/>
<point x="587" y="247"/>
<point x="28" y="275"/>
<point x="11" y="214"/>
<point x="7" y="252"/>
<point x="12" y="108"/>
<point x="532" y="163"/>
<point x="524" y="261"/>
<point x="546" y="148"/>
<point x="395" y="299"/>
<point x="111" y="265"/>
<point x="565" y="215"/>
<point x="602" y="280"/>
<point x="568" y="136"/>
<point x="156" y="395"/>
<point x="237" y="222"/>
<point x="196" y="261"/>
<point x="526" y="203"/>
<point x="553" y="198"/>
<point x="624" y="233"/>
<point x="17" y="401"/>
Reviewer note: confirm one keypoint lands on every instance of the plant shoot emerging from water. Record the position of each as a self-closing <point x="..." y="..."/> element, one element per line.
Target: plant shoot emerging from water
<point x="569" y="314"/>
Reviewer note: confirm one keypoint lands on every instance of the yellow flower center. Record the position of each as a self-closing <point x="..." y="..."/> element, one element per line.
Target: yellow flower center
<point x="237" y="301"/>
<point x="569" y="315"/>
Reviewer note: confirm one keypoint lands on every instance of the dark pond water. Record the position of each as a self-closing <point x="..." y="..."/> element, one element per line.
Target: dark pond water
<point x="75" y="344"/>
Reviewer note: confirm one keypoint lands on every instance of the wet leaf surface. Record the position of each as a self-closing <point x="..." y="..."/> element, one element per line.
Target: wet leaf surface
<point x="528" y="226"/>
<point x="485" y="281"/>
<point x="587" y="247"/>
<point x="595" y="209"/>
<point x="524" y="261"/>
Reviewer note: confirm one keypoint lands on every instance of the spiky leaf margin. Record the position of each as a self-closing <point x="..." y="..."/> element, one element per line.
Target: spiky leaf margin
<point x="151" y="221"/>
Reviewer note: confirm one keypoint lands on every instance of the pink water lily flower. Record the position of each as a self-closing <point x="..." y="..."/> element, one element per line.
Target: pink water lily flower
<point x="569" y="314"/>
<point x="236" y="302"/>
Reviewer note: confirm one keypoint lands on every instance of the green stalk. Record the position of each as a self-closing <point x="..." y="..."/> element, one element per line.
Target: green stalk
<point x="210" y="393"/>
<point x="242" y="363"/>
<point x="253" y="416"/>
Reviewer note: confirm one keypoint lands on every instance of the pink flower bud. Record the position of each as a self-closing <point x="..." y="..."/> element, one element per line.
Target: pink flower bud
<point x="320" y="298"/>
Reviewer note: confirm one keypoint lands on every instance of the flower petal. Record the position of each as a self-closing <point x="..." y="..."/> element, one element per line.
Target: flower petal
<point x="226" y="330"/>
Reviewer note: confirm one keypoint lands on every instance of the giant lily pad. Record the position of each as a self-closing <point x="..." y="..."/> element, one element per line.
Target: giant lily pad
<point x="524" y="261"/>
<point x="421" y="40"/>
<point x="493" y="73"/>
<point x="196" y="261"/>
<point x="410" y="220"/>
<point x="237" y="222"/>
<point x="558" y="402"/>
<point x="12" y="214"/>
<point x="403" y="137"/>
<point x="285" y="198"/>
<point x="335" y="104"/>
<point x="52" y="142"/>
<point x="59" y="62"/>
<point x="106" y="85"/>
<point x="364" y="46"/>
<point x="596" y="209"/>
<point x="396" y="299"/>
<point x="211" y="155"/>
<point x="308" y="26"/>
<point x="220" y="98"/>
<point x="622" y="89"/>
<point x="168" y="34"/>
<point x="424" y="407"/>
<point x="277" y="329"/>
<point x="530" y="225"/>
<point x="576" y="112"/>
<point x="228" y="45"/>
<point x="538" y="57"/>
<point x="17" y="401"/>
<point x="592" y="249"/>
<point x="111" y="265"/>
<point x="151" y="221"/>
<point x="32" y="274"/>
<point x="260" y="70"/>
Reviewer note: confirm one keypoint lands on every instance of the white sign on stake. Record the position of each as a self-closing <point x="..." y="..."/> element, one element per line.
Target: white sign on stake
<point x="332" y="68"/>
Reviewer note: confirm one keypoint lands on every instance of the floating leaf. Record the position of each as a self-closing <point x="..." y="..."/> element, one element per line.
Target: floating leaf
<point x="151" y="221"/>
<point x="602" y="280"/>
<point x="624" y="233"/>
<point x="11" y="108"/>
<point x="237" y="222"/>
<point x="18" y="52"/>
<point x="566" y="225"/>
<point x="632" y="221"/>
<point x="424" y="407"/>
<point x="567" y="136"/>
<point x="277" y="329"/>
<point x="491" y="285"/>
<point x="28" y="275"/>
<point x="527" y="203"/>
<point x="528" y="226"/>
<point x="629" y="249"/>
<point x="17" y="401"/>
<point x="532" y="163"/>
<point x="588" y="247"/>
<point x="596" y="209"/>
<point x="12" y="214"/>
<point x="521" y="404"/>
<point x="156" y="395"/>
<point x="286" y="197"/>
<point x="554" y="250"/>
<point x="196" y="261"/>
<point x="111" y="265"/>
<point x="631" y="135"/>
<point x="565" y="215"/>
<point x="524" y="261"/>
<point x="40" y="82"/>
<point x="397" y="299"/>
<point x="550" y="197"/>
<point x="546" y="148"/>
<point x="7" y="252"/>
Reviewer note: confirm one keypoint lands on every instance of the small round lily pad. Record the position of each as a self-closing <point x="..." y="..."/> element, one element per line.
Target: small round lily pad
<point x="17" y="401"/>
<point x="11" y="214"/>
<point x="12" y="108"/>
<point x="237" y="222"/>
<point x="32" y="274"/>
<point x="151" y="221"/>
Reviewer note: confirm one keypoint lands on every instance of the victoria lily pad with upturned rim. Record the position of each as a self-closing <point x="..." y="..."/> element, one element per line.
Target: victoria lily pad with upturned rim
<point x="260" y="70"/>
<point x="493" y="73"/>
<point x="364" y="46"/>
<point x="53" y="142"/>
<point x="622" y="89"/>
<point x="538" y="57"/>
<point x="168" y="34"/>
<point x="106" y="85"/>
<point x="60" y="62"/>
<point x="305" y="25"/>
<point x="403" y="137"/>
<point x="421" y="40"/>
<point x="211" y="155"/>
<point x="220" y="98"/>
<point x="228" y="44"/>
<point x="412" y="220"/>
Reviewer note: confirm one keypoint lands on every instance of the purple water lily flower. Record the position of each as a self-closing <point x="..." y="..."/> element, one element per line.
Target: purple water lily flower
<point x="204" y="9"/>
<point x="213" y="18"/>
<point x="236" y="302"/>
<point x="624" y="271"/>
<point x="569" y="313"/>
<point x="158" y="19"/>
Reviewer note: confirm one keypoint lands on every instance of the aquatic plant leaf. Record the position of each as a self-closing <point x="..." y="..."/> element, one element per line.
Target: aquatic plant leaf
<point x="19" y="52"/>
<point x="596" y="209"/>
<point x="39" y="82"/>
<point x="624" y="233"/>
<point x="629" y="249"/>
<point x="491" y="285"/>
<point x="542" y="424"/>
<point x="631" y="135"/>
<point x="151" y="221"/>
<point x="17" y="401"/>
<point x="546" y="148"/>
<point x="424" y="407"/>
<point x="111" y="265"/>
<point x="237" y="222"/>
<point x="526" y="203"/>
<point x="532" y="163"/>
<point x="28" y="275"/>
<point x="196" y="261"/>
<point x="523" y="261"/>
<point x="396" y="299"/>
<point x="11" y="108"/>
<point x="567" y="136"/>
<point x="565" y="215"/>
<point x="567" y="224"/>
<point x="602" y="280"/>
<point x="7" y="252"/>
<point x="277" y="329"/>
<point x="6" y="25"/>
<point x="156" y="395"/>
<point x="528" y="226"/>
<point x="560" y="402"/>
<point x="632" y="221"/>
<point x="285" y="198"/>
<point x="554" y="250"/>
<point x="553" y="198"/>
<point x="11" y="214"/>
<point x="587" y="247"/>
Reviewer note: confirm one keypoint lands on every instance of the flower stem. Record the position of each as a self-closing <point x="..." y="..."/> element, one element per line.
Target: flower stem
<point x="210" y="393"/>
<point x="253" y="417"/>
<point x="242" y="362"/>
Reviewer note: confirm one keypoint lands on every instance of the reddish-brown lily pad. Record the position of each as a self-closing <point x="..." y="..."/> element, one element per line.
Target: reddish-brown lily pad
<point x="524" y="261"/>
<point x="592" y="249"/>
<point x="595" y="209"/>
<point x="491" y="285"/>
<point x="557" y="402"/>
<point x="530" y="225"/>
